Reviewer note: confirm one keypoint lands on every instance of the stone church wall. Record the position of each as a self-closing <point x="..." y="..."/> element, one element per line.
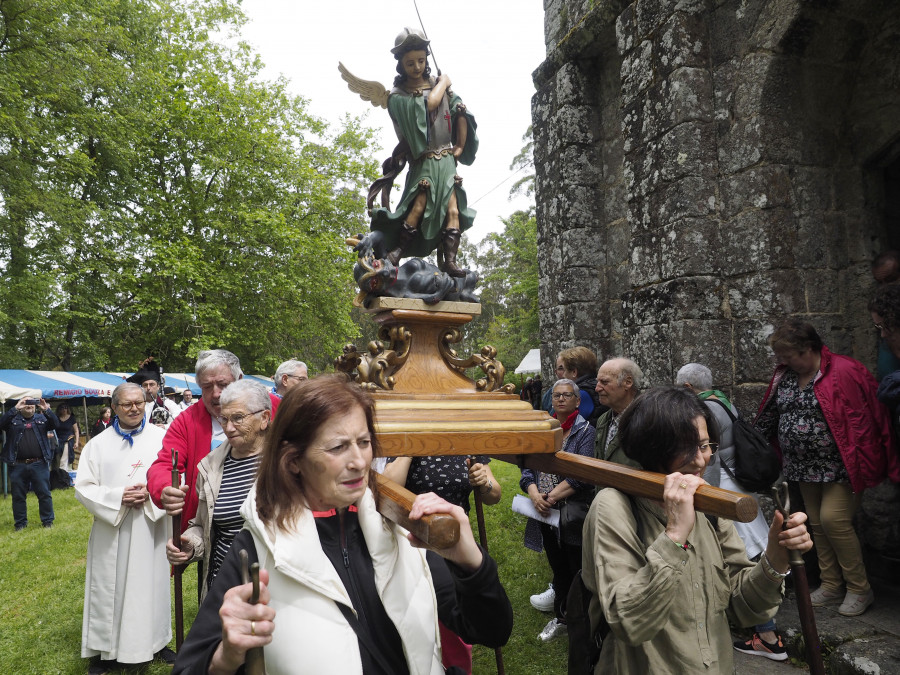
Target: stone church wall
<point x="705" y="169"/>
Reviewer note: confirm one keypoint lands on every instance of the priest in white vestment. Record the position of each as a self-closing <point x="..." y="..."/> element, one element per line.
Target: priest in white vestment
<point x="126" y="594"/>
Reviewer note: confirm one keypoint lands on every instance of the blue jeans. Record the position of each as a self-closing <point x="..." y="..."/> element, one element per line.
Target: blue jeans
<point x="38" y="474"/>
<point x="767" y="626"/>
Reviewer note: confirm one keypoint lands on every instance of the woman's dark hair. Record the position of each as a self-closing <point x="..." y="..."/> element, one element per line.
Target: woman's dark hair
<point x="657" y="430"/>
<point x="886" y="304"/>
<point x="280" y="493"/>
<point x="401" y="77"/>
<point x="63" y="406"/>
<point x="796" y="335"/>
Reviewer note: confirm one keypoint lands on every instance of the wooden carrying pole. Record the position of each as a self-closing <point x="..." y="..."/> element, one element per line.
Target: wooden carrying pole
<point x="439" y="530"/>
<point x="712" y="500"/>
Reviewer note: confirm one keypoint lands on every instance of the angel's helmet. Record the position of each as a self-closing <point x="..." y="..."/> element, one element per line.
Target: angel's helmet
<point x="408" y="40"/>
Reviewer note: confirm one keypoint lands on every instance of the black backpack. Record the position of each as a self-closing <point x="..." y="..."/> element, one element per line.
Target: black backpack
<point x="60" y="479"/>
<point x="756" y="463"/>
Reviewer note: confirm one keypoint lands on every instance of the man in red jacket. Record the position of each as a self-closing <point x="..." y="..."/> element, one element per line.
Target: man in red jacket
<point x="193" y="434"/>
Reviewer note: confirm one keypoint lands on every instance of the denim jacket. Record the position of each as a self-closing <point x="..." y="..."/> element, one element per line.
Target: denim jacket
<point x="13" y="424"/>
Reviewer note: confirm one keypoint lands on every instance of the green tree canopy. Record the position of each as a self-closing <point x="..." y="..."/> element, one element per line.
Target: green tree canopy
<point x="157" y="195"/>
<point x="508" y="267"/>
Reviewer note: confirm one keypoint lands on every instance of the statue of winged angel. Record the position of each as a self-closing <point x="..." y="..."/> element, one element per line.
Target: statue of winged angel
<point x="435" y="131"/>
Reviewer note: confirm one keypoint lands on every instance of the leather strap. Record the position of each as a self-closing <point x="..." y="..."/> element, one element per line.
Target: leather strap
<point x="363" y="636"/>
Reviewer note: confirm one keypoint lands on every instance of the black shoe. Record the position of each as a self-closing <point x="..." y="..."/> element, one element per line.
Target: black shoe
<point x="19" y="528"/>
<point x="99" y="667"/>
<point x="166" y="655"/>
<point x="756" y="646"/>
<point x="48" y="525"/>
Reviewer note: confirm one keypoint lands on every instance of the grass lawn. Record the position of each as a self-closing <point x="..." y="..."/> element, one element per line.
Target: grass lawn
<point x="42" y="590"/>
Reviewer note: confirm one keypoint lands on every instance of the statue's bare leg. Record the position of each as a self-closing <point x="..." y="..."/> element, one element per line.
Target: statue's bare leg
<point x="451" y="237"/>
<point x="408" y="227"/>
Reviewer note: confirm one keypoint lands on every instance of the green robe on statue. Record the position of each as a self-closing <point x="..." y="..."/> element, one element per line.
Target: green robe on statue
<point x="429" y="139"/>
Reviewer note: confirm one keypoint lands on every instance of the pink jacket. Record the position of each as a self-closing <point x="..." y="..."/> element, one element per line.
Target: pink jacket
<point x="859" y="422"/>
<point x="191" y="435"/>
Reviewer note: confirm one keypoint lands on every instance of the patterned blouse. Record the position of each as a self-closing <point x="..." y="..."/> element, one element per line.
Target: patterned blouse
<point x="447" y="476"/>
<point x="811" y="454"/>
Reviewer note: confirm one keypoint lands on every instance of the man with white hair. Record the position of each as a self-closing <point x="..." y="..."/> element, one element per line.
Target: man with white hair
<point x="126" y="590"/>
<point x="193" y="434"/>
<point x="187" y="398"/>
<point x="618" y="383"/>
<point x="289" y="375"/>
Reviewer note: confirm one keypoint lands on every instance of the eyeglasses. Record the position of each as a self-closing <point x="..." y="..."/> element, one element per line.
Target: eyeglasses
<point x="708" y="447"/>
<point x="128" y="405"/>
<point x="564" y="396"/>
<point x="237" y="419"/>
<point x="298" y="377"/>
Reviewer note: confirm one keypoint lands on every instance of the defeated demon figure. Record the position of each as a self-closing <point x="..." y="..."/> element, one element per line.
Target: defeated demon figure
<point x="416" y="278"/>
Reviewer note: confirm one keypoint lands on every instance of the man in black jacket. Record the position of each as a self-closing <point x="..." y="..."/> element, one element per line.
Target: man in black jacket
<point x="28" y="454"/>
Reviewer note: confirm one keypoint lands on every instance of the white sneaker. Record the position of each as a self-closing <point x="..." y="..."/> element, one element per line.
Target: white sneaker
<point x="856" y="603"/>
<point x="553" y="630"/>
<point x="822" y="597"/>
<point x="544" y="601"/>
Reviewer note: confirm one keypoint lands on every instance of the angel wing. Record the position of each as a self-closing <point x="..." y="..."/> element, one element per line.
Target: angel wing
<point x="368" y="90"/>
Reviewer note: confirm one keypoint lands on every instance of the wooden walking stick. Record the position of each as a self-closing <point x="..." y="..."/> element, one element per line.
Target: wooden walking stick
<point x="801" y="589"/>
<point x="482" y="537"/>
<point x="255" y="659"/>
<point x="177" y="569"/>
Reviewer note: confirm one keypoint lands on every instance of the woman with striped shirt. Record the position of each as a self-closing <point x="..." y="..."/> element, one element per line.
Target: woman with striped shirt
<point x="224" y="478"/>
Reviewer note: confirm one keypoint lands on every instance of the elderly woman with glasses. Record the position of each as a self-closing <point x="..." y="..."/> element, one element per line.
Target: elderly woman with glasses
<point x="664" y="576"/>
<point x="341" y="588"/>
<point x="549" y="492"/>
<point x="224" y="478"/>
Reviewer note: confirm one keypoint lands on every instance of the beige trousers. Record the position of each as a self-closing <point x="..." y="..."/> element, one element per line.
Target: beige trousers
<point x="830" y="507"/>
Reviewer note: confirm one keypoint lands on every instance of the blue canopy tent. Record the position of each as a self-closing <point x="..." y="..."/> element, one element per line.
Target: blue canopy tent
<point x="91" y="387"/>
<point x="57" y="385"/>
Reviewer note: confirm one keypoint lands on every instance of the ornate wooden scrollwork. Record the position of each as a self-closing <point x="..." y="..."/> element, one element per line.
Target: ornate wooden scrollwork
<point x="375" y="370"/>
<point x="487" y="361"/>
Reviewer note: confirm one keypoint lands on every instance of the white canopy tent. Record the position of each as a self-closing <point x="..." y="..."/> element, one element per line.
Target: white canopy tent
<point x="531" y="363"/>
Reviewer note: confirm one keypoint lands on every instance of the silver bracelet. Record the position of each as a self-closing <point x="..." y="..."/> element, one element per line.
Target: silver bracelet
<point x="771" y="571"/>
<point x="489" y="486"/>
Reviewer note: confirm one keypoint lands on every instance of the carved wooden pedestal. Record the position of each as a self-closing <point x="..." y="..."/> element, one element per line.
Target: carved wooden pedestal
<point x="425" y="404"/>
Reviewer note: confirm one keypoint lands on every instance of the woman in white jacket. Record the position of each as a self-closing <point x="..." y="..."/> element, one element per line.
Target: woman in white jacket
<point x="348" y="590"/>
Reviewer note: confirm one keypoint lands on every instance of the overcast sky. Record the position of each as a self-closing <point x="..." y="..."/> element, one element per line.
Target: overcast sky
<point x="489" y="48"/>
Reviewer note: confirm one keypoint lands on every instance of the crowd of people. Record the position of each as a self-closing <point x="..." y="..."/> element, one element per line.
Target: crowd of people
<point x="284" y="477"/>
<point x="833" y="426"/>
